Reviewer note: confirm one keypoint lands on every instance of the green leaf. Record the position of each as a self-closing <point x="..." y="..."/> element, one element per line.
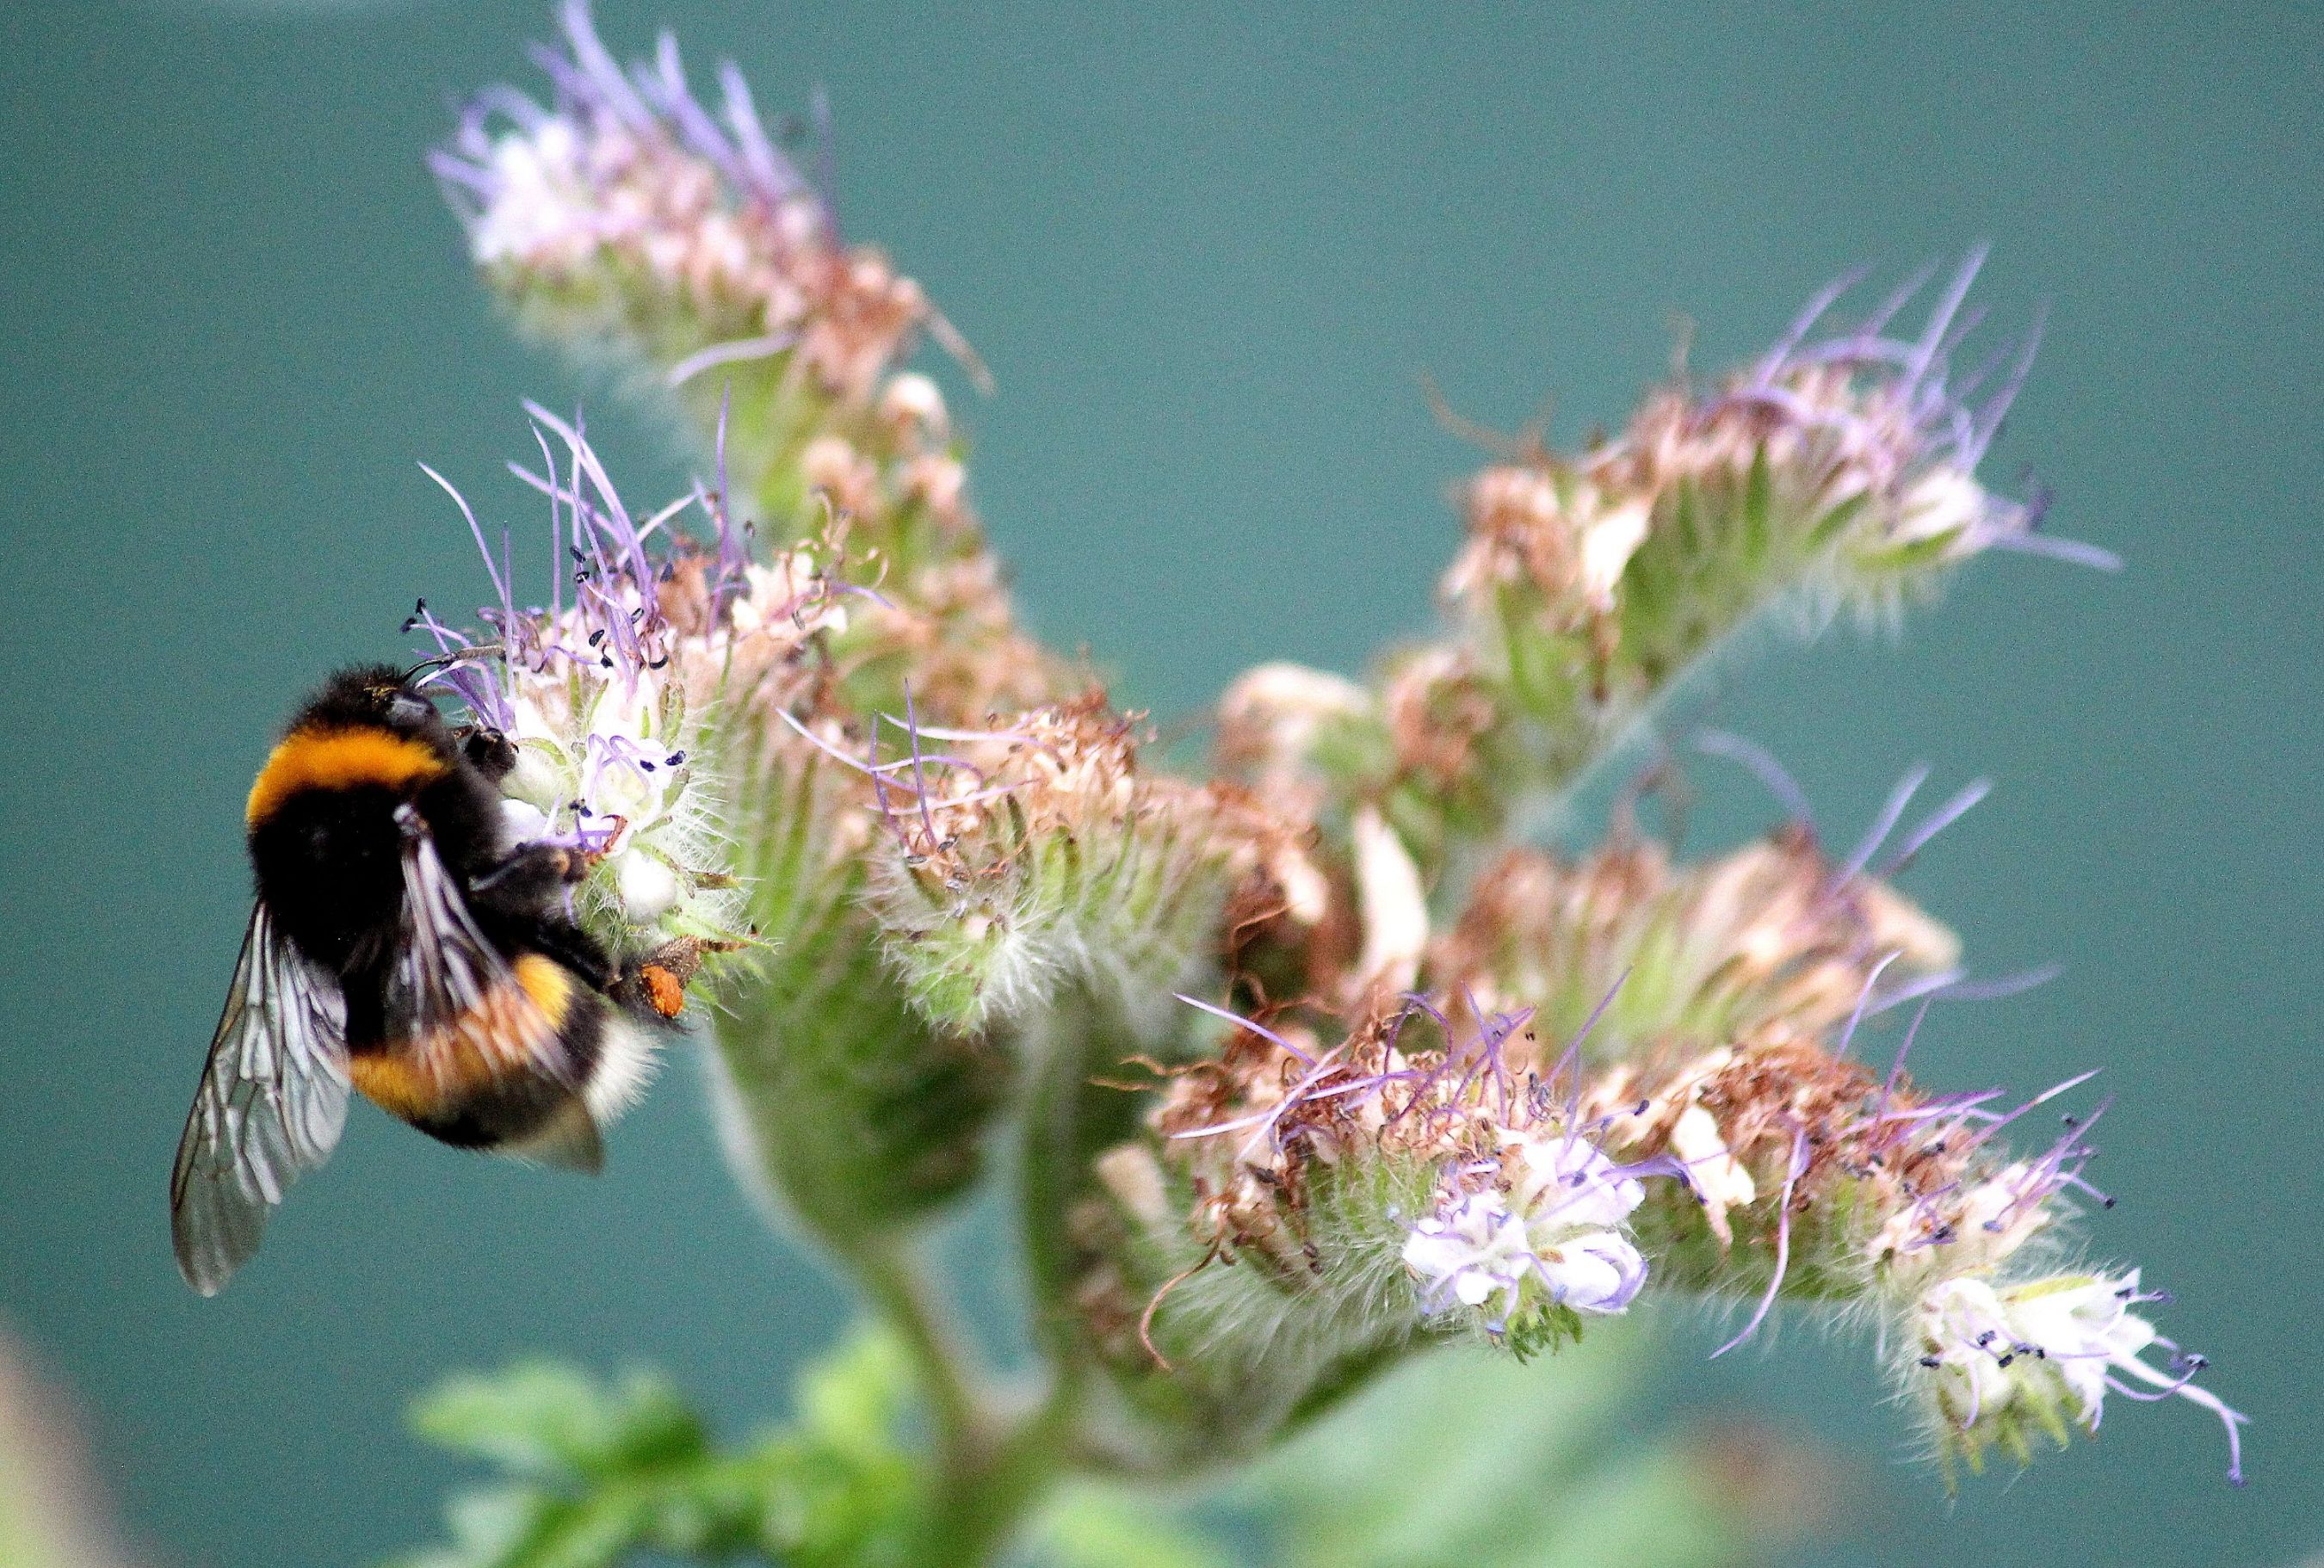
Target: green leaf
<point x="852" y="1399"/>
<point x="1093" y="1526"/>
<point x="605" y="1472"/>
<point x="543" y="1420"/>
<point x="1466" y="1457"/>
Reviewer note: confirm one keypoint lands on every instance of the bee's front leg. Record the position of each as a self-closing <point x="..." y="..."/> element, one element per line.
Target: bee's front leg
<point x="527" y="878"/>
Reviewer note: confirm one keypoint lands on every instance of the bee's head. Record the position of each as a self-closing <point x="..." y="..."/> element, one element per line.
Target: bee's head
<point x="376" y="695"/>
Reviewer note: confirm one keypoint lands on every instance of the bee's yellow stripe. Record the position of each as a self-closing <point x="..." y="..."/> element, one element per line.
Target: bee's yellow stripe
<point x="340" y="758"/>
<point x="550" y="984"/>
<point x="513" y="1032"/>
<point x="398" y="1084"/>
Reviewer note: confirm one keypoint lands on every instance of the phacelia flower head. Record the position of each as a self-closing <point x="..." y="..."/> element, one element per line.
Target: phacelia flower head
<point x="1999" y="1363"/>
<point x="626" y="208"/>
<point x="1838" y="470"/>
<point x="1813" y="1177"/>
<point x="1554" y="1237"/>
<point x="1775" y="931"/>
<point x="1861" y="445"/>
<point x="619" y="700"/>
<point x="1458" y="1180"/>
<point x="1035" y="849"/>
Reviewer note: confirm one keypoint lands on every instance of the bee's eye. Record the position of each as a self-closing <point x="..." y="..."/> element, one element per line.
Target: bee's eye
<point x="403" y="708"/>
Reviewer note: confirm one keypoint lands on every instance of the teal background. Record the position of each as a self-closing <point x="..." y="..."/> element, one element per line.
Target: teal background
<point x="1207" y="253"/>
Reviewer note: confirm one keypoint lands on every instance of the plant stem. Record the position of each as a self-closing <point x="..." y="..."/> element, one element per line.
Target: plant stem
<point x="958" y="1401"/>
<point x="993" y="1464"/>
<point x="980" y="1504"/>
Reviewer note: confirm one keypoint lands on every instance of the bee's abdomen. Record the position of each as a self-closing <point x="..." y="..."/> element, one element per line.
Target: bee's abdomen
<point x="500" y="1072"/>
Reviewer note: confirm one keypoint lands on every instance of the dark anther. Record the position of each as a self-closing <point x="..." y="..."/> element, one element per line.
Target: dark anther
<point x="661" y="663"/>
<point x="675" y="758"/>
<point x="646" y="765"/>
<point x="2106" y="1203"/>
<point x="1641" y="1111"/>
<point x="2004" y="1360"/>
<point x="1985" y="1338"/>
<point x="597" y="637"/>
<point x="1932" y="1361"/>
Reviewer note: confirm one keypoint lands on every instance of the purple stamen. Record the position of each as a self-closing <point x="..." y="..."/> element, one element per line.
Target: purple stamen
<point x="476" y="531"/>
<point x="1261" y="1030"/>
<point x="1941" y="317"/>
<point x="1869" y="330"/>
<point x="1804" y="322"/>
<point x="2071" y="550"/>
<point x="1857" y="1016"/>
<point x="771" y="175"/>
<point x="597" y="71"/>
<point x="1763" y="767"/>
<point x="1914" y="991"/>
<point x="1883" y="825"/>
<point x="1996" y="408"/>
<point x="733" y="553"/>
<point x="1797" y="1164"/>
<point x="735" y="350"/>
<point x="1896" y="1068"/>
<point x="1944" y="816"/>
<point x="920" y="773"/>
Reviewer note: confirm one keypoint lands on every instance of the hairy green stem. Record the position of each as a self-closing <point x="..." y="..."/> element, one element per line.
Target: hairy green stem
<point x="983" y="1500"/>
<point x="995" y="1458"/>
<point x="960" y="1402"/>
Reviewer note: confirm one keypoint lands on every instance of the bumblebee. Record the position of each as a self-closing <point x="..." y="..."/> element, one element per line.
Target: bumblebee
<point x="401" y="947"/>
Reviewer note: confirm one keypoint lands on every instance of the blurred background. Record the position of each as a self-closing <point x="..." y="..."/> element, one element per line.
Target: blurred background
<point x="1208" y="251"/>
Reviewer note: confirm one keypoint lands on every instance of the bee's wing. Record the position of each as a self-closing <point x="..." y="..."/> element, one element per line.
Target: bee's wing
<point x="468" y="1017"/>
<point x="273" y="1101"/>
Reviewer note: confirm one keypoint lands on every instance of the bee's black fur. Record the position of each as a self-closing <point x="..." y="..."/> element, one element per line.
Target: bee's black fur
<point x="328" y="865"/>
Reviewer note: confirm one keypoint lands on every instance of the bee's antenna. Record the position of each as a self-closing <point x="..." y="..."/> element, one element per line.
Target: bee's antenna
<point x="454" y="657"/>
